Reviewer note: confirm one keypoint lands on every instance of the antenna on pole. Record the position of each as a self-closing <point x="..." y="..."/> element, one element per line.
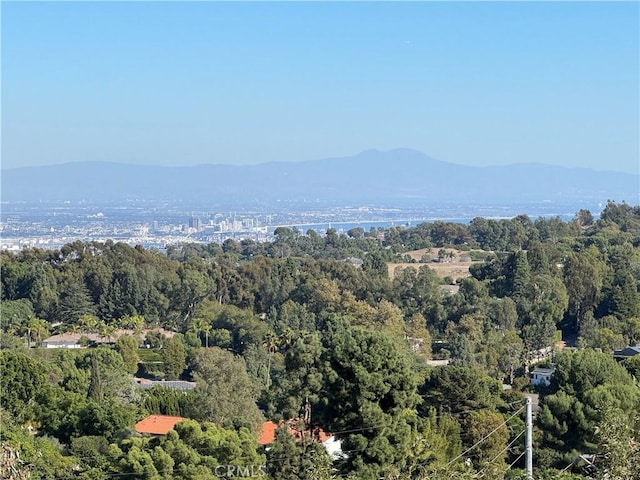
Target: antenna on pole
<point x="529" y="440"/>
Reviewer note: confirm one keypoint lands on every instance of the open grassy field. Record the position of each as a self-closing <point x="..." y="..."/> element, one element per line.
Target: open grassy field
<point x="455" y="264"/>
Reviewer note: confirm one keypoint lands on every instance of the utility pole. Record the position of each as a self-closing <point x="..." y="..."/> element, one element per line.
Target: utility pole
<point x="529" y="440"/>
<point x="307" y="420"/>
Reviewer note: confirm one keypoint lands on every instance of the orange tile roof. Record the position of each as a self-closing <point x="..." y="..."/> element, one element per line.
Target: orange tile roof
<point x="322" y="435"/>
<point x="157" y="424"/>
<point x="268" y="433"/>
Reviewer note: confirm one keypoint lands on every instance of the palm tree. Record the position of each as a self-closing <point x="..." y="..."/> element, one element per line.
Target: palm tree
<point x="106" y="331"/>
<point x="36" y="327"/>
<point x="89" y="323"/>
<point x="271" y="344"/>
<point x="132" y="322"/>
<point x="201" y="325"/>
<point x="286" y="338"/>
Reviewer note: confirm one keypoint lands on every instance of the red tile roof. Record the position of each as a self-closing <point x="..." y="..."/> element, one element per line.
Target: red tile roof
<point x="268" y="433"/>
<point x="157" y="424"/>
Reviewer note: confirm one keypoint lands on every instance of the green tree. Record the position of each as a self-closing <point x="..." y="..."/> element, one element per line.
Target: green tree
<point x="518" y="276"/>
<point x="174" y="357"/>
<point x="632" y="365"/>
<point x="22" y="378"/>
<point x="271" y="346"/>
<point x="15" y="314"/>
<point x="132" y="322"/>
<point x="291" y="460"/>
<point x="583" y="276"/>
<point x="417" y="335"/>
<point x="190" y="451"/>
<point x="226" y="446"/>
<point x="93" y="450"/>
<point x="96" y="391"/>
<point x="155" y="339"/>
<point x="619" y="443"/>
<point x="167" y="401"/>
<point x="537" y="258"/>
<point x="511" y="351"/>
<point x="128" y="348"/>
<point x="34" y="456"/>
<point x="37" y="329"/>
<point x="227" y="395"/>
<point x="489" y="431"/>
<point x="368" y="391"/>
<point x="75" y="302"/>
<point x="194" y="288"/>
<point x="456" y="389"/>
<point x="548" y="303"/>
<point x="200" y="325"/>
<point x="502" y="313"/>
<point x="584" y="218"/>
<point x="105" y="418"/>
<point x="582" y="383"/>
<point x="108" y="365"/>
<point x="436" y="440"/>
<point x="302" y="378"/>
<point x="58" y="412"/>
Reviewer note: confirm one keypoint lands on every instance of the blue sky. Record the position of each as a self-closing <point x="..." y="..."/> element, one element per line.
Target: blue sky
<point x="220" y="82"/>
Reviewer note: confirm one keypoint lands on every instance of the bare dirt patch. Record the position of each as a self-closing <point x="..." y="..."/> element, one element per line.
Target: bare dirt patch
<point x="450" y="263"/>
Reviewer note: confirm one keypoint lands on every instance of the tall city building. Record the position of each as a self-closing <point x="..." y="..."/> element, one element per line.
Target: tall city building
<point x="194" y="222"/>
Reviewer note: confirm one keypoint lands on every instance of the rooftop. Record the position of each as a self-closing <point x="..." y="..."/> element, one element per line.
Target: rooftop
<point x="544" y="370"/>
<point x="628" y="352"/>
<point x="157" y="424"/>
<point x="268" y="433"/>
<point x="172" y="384"/>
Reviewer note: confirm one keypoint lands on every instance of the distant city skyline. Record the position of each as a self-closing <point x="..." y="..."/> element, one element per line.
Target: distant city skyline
<point x="187" y="83"/>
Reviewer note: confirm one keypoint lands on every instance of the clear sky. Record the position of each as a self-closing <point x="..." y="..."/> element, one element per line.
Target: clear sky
<point x="220" y="82"/>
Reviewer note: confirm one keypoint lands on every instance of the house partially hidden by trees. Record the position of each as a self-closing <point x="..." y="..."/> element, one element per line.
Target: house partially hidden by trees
<point x="181" y="385"/>
<point x="81" y="339"/>
<point x="157" y="424"/>
<point x="627" y="352"/>
<point x="76" y="340"/>
<point x="268" y="432"/>
<point x="329" y="441"/>
<point x="541" y="376"/>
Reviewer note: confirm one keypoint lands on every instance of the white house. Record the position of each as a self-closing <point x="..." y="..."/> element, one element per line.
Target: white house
<point x="542" y="375"/>
<point x="64" y="340"/>
<point x="334" y="448"/>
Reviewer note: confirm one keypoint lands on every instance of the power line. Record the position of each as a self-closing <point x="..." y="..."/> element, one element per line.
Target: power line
<point x="373" y="427"/>
<point x="484" y="439"/>
<point x="569" y="466"/>
<point x="516" y="460"/>
<point x="508" y="446"/>
<point x="504" y="450"/>
<point x="428" y="416"/>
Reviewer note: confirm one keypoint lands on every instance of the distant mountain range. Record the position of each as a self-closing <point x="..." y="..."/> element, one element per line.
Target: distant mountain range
<point x="393" y="177"/>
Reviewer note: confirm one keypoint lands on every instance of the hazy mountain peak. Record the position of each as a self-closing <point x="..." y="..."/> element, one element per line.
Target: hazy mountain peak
<point x="398" y="175"/>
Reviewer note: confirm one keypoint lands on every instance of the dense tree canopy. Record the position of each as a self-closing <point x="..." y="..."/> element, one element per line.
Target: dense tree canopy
<point x="584" y="384"/>
<point x="296" y="328"/>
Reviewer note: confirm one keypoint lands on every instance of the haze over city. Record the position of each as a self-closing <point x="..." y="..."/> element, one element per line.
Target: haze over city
<point x="164" y="83"/>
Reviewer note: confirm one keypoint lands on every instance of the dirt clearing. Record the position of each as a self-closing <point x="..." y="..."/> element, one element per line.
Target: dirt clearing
<point x="445" y="262"/>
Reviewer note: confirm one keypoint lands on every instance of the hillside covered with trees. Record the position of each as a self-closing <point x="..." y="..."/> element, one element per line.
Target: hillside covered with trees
<point x="312" y="327"/>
